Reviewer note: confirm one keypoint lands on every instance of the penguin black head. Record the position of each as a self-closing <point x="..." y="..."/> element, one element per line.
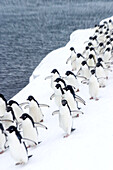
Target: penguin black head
<point x="72" y="49"/>
<point x="30" y="98"/>
<point x="1" y="127"/>
<point x="101" y="32"/>
<point x="64" y="102"/>
<point x="87" y="48"/>
<point x="108" y="49"/>
<point x="12" y="129"/>
<point x="25" y="116"/>
<point x="91" y="56"/>
<point x="108" y="36"/>
<point x="58" y="86"/>
<point x="11" y="102"/>
<point x="110" y="20"/>
<point x="90" y="38"/>
<point x="91" y="49"/>
<point x="84" y="63"/>
<point x="101" y="26"/>
<point x="54" y="71"/>
<point x="90" y="44"/>
<point x="69" y="73"/>
<point x="106" y="33"/>
<point x="98" y="64"/>
<point x="108" y="42"/>
<point x="92" y="71"/>
<point x="95" y="37"/>
<point x="79" y="55"/>
<point x="99" y="59"/>
<point x="96" y="31"/>
<point x="101" y="44"/>
<point x="70" y="88"/>
<point x="60" y="80"/>
<point x="111" y="39"/>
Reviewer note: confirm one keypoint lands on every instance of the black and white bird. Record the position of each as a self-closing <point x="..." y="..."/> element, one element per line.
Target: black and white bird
<point x="3" y="139"/>
<point x="3" y="105"/>
<point x="29" y="129"/>
<point x="17" y="147"/>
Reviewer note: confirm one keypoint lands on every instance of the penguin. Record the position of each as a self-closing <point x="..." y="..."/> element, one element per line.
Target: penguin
<point x="3" y="139"/>
<point x="100" y="48"/>
<point x="107" y="55"/>
<point x="100" y="74"/>
<point x="16" y="109"/>
<point x="54" y="76"/>
<point x="35" y="109"/>
<point x="91" y="61"/>
<point x="78" y="61"/>
<point x="11" y="117"/>
<point x="3" y="105"/>
<point x="110" y="24"/>
<point x="65" y="118"/>
<point x="84" y="70"/>
<point x="86" y="52"/>
<point x="93" y="86"/>
<point x="58" y="95"/>
<point x="17" y="147"/>
<point x="71" y="98"/>
<point x="72" y="58"/>
<point x="29" y="130"/>
<point x="61" y="82"/>
<point x="72" y="80"/>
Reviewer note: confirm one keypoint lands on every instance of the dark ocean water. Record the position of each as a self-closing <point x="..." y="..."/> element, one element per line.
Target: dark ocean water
<point x="30" y="29"/>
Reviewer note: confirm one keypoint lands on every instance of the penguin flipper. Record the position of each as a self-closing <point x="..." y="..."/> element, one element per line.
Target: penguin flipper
<point x="24" y="103"/>
<point x="72" y="129"/>
<point x="55" y="112"/>
<point x="48" y="77"/>
<point x="37" y="124"/>
<point x="79" y="99"/>
<point x="44" y="105"/>
<point x="53" y="95"/>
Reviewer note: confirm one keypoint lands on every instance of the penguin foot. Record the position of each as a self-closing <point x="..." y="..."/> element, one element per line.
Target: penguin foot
<point x="77" y="90"/>
<point x="66" y="136"/>
<point x="91" y="98"/>
<point x="1" y="152"/>
<point x="19" y="163"/>
<point x="42" y="120"/>
<point x="96" y="99"/>
<point x="73" y="129"/>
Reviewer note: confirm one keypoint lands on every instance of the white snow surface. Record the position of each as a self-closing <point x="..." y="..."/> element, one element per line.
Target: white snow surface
<point x="90" y="146"/>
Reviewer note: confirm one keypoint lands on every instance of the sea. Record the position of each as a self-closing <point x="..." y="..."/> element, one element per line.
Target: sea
<point x="30" y="29"/>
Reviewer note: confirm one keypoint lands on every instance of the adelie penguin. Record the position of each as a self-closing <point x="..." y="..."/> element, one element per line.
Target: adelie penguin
<point x="17" y="147"/>
<point x="3" y="105"/>
<point x="3" y="139"/>
<point x="30" y="132"/>
<point x="93" y="86"/>
<point x="54" y="75"/>
<point x="65" y="118"/>
<point x="72" y="80"/>
<point x="72" y="58"/>
<point x="35" y="109"/>
<point x="16" y="109"/>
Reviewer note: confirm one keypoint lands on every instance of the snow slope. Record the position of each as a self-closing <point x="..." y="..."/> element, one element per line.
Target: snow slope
<point x="90" y="146"/>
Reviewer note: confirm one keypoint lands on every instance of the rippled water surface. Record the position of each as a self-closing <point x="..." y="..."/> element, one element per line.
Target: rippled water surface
<point x="30" y="29"/>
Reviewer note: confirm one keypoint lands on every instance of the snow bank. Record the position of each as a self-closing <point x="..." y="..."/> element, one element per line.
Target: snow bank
<point x="90" y="146"/>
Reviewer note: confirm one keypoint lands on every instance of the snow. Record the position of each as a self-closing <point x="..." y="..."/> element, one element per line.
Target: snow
<point x="90" y="146"/>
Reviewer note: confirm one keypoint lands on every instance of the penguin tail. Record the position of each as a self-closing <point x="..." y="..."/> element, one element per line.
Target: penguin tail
<point x="73" y="129"/>
<point x="30" y="156"/>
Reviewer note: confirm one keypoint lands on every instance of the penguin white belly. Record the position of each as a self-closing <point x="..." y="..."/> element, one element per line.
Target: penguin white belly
<point x="17" y="149"/>
<point x="17" y="111"/>
<point x="100" y="73"/>
<point x="65" y="120"/>
<point x="2" y="141"/>
<point x="91" y="63"/>
<point x="93" y="87"/>
<point x="73" y="82"/>
<point x="58" y="100"/>
<point x="29" y="132"/>
<point x="85" y="72"/>
<point x="35" y="112"/>
<point x="2" y="108"/>
<point x="71" y="102"/>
